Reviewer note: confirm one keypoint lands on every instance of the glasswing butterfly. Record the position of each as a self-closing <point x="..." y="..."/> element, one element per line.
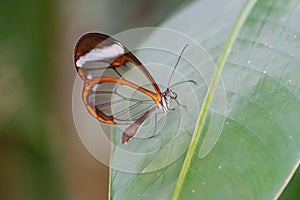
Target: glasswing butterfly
<point x="118" y="89"/>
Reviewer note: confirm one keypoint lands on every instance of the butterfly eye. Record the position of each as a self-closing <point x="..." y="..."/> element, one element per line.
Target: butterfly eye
<point x="174" y="95"/>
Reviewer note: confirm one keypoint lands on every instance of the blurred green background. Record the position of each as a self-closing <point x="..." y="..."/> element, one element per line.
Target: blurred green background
<point x="41" y="154"/>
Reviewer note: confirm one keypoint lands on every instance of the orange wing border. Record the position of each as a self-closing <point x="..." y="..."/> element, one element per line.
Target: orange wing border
<point x="88" y="88"/>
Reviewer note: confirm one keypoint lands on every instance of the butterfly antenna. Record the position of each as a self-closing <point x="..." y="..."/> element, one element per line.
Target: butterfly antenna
<point x="177" y="63"/>
<point x="187" y="81"/>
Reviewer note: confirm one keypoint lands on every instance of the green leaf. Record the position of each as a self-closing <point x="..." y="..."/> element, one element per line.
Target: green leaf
<point x="256" y="45"/>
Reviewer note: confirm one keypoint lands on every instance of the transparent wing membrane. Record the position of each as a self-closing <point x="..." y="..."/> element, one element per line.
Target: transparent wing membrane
<point x="119" y="103"/>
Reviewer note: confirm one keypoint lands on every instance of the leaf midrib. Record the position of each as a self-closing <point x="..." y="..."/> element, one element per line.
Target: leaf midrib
<point x="221" y="62"/>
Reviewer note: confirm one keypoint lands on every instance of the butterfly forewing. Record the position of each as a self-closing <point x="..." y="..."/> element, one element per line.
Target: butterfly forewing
<point x="118" y="89"/>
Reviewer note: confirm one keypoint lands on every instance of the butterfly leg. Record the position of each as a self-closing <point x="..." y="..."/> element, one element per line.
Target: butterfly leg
<point x="181" y="105"/>
<point x="156" y="125"/>
<point x="178" y="118"/>
<point x="156" y="128"/>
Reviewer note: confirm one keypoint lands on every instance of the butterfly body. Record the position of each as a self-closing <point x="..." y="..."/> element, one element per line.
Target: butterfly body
<point x="164" y="103"/>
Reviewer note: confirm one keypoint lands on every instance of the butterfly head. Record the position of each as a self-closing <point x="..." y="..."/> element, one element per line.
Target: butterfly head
<point x="164" y="104"/>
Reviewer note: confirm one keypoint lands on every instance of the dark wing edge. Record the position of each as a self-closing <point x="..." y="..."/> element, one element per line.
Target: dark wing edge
<point x="131" y="131"/>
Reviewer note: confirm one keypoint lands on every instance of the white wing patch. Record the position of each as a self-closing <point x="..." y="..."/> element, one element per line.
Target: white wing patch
<point x="89" y="77"/>
<point x="99" y="54"/>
